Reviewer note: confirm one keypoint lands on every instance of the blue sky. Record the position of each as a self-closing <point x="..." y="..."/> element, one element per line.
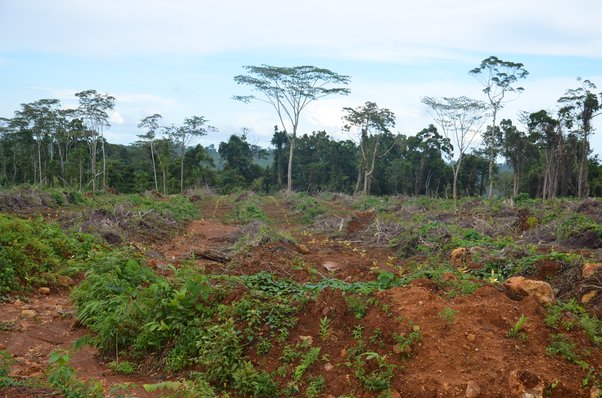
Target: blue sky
<point x="178" y="58"/>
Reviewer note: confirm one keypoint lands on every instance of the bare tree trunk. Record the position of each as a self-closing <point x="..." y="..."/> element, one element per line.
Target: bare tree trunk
<point x="104" y="163"/>
<point x="289" y="183"/>
<point x="582" y="183"/>
<point x="154" y="166"/>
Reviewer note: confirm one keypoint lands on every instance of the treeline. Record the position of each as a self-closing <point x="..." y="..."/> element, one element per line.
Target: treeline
<point x="45" y="144"/>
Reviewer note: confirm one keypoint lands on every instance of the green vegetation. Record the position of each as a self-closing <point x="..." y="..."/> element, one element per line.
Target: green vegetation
<point x="33" y="252"/>
<point x="516" y="331"/>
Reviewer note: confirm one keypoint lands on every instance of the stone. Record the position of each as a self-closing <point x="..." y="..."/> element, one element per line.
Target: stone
<point x="2" y="346"/>
<point x="589" y="269"/>
<point x="343" y="353"/>
<point x="44" y="290"/>
<point x="472" y="390"/>
<point x="458" y="257"/>
<point x="28" y="314"/>
<point x="540" y="290"/>
<point x="331" y="266"/>
<point x="328" y="366"/>
<point x="587" y="297"/>
<point x="595" y="392"/>
<point x="471" y="337"/>
<point x="65" y="280"/>
<point x="395" y="394"/>
<point x="301" y="248"/>
<point x="524" y="384"/>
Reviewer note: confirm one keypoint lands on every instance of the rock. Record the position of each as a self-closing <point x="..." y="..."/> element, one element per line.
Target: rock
<point x="595" y="392"/>
<point x="540" y="290"/>
<point x="2" y="346"/>
<point x="458" y="257"/>
<point x="301" y="248"/>
<point x="28" y="314"/>
<point x="471" y="337"/>
<point x="472" y="390"/>
<point x="589" y="269"/>
<point x="343" y="353"/>
<point x="65" y="280"/>
<point x="328" y="366"/>
<point x="44" y="290"/>
<point x="331" y="266"/>
<point x="587" y="297"/>
<point x="524" y="384"/>
<point x="395" y="394"/>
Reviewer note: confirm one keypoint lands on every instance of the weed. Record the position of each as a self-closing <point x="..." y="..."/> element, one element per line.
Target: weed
<point x="357" y="332"/>
<point x="122" y="367"/>
<point x="62" y="377"/>
<point x="359" y="304"/>
<point x="253" y="383"/>
<point x="325" y="328"/>
<point x="196" y="387"/>
<point x="377" y="338"/>
<point x="372" y="370"/>
<point x="516" y="331"/>
<point x="559" y="345"/>
<point x="405" y="342"/>
<point x="315" y="385"/>
<point x="569" y="315"/>
<point x="448" y="315"/>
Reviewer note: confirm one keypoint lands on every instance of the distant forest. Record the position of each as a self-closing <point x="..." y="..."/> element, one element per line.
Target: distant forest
<point x="45" y="144"/>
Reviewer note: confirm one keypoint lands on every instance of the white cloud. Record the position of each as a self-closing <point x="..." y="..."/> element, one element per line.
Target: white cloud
<point x="381" y="29"/>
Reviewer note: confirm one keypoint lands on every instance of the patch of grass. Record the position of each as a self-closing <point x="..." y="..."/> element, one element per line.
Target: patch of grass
<point x="569" y="315"/>
<point x="122" y="367"/>
<point x="560" y="345"/>
<point x="448" y="315"/>
<point x="516" y="331"/>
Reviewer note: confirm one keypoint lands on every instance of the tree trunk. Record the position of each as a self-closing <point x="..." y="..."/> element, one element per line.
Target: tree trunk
<point x="289" y="183"/>
<point x="582" y="183"/>
<point x="154" y="166"/>
<point x="182" y="172"/>
<point x="455" y="181"/>
<point x="104" y="163"/>
<point x="490" y="194"/>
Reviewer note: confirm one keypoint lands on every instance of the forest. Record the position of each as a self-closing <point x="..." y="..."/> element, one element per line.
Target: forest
<point x="466" y="151"/>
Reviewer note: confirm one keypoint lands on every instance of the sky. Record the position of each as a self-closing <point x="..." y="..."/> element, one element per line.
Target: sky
<point x="178" y="58"/>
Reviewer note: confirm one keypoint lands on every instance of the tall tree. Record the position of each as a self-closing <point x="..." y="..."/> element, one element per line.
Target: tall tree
<point x="93" y="108"/>
<point x="547" y="133"/>
<point x="498" y="78"/>
<point x="151" y="124"/>
<point x="517" y="149"/>
<point x="289" y="90"/>
<point x="193" y="128"/>
<point x="41" y="119"/>
<point x="581" y="105"/>
<point x="279" y="142"/>
<point x="371" y="122"/>
<point x="460" y="119"/>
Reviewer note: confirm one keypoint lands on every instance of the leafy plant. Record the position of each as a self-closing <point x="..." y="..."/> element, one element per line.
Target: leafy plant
<point x="559" y="345"/>
<point x="62" y="377"/>
<point x="122" y="367"/>
<point x="448" y="315"/>
<point x="325" y="328"/>
<point x="315" y="385"/>
<point x="372" y="370"/>
<point x="516" y="331"/>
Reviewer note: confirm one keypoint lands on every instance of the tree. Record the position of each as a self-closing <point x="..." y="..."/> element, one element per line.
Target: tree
<point x="498" y="78"/>
<point x="581" y="106"/>
<point x="370" y="121"/>
<point x="279" y="141"/>
<point x="289" y="90"/>
<point x="151" y="124"/>
<point x="546" y="132"/>
<point x="424" y="150"/>
<point x="460" y="119"/>
<point x="40" y="119"/>
<point x="93" y="108"/>
<point x="193" y="128"/>
<point x="517" y="149"/>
